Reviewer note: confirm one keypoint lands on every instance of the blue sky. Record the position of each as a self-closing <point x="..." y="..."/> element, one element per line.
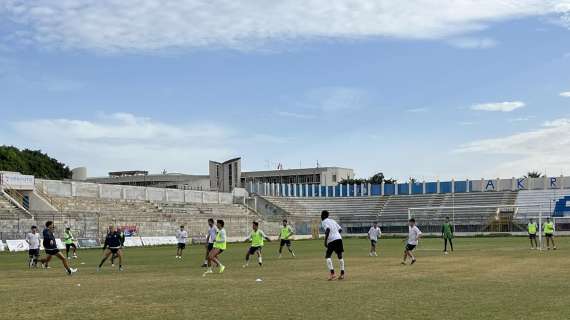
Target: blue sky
<point x="421" y="89"/>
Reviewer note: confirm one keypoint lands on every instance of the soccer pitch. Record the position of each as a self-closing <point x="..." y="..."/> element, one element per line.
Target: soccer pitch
<point x="485" y="278"/>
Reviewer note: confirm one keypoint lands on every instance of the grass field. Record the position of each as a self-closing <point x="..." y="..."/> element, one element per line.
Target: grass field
<point x="486" y="278"/>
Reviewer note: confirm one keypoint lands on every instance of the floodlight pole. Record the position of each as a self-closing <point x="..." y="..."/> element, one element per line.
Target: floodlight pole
<point x="540" y="227"/>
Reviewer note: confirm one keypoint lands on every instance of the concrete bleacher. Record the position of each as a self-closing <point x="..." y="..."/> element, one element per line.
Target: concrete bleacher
<point x="392" y="211"/>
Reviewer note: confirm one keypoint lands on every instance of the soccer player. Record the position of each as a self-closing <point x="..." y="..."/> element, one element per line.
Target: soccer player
<point x="549" y="233"/>
<point x="122" y="239"/>
<point x="532" y="229"/>
<point x="69" y="241"/>
<point x="447" y="234"/>
<point x="210" y="238"/>
<point x="182" y="237"/>
<point x="414" y="235"/>
<point x="285" y="236"/>
<point x="256" y="237"/>
<point x="50" y="247"/>
<point x="333" y="243"/>
<point x="374" y="234"/>
<point x="33" y="240"/>
<point x="218" y="247"/>
<point x="112" y="246"/>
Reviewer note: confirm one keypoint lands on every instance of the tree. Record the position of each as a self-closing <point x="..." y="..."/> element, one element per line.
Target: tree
<point x="534" y="174"/>
<point x="32" y="162"/>
<point x="378" y="178"/>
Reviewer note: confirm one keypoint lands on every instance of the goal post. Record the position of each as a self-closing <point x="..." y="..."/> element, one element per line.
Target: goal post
<point x="483" y="219"/>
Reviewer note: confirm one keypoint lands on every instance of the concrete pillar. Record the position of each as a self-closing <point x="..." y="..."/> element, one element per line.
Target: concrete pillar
<point x="334" y="191"/>
<point x="424" y="187"/>
<point x="320" y="192"/>
<point x="382" y="188"/>
<point x="410" y="186"/>
<point x="369" y="191"/>
<point x="452" y="185"/>
<point x="203" y="196"/>
<point x="513" y="184"/>
<point x="396" y="191"/>
<point x="165" y="195"/>
<point x="72" y="189"/>
<point x="306" y="190"/>
<point x="467" y="186"/>
<point x="438" y="188"/>
<point x="362" y="189"/>
<point x="100" y="191"/>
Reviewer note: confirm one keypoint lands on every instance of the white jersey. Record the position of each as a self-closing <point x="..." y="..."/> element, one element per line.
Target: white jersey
<point x="182" y="236"/>
<point x="414" y="233"/>
<point x="33" y="239"/>
<point x="374" y="233"/>
<point x="212" y="233"/>
<point x="334" y="233"/>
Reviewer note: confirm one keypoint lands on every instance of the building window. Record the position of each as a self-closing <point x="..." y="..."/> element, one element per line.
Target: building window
<point x="334" y="177"/>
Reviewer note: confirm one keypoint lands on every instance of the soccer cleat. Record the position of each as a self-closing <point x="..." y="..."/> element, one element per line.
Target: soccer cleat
<point x="71" y="271"/>
<point x="207" y="272"/>
<point x="74" y="256"/>
<point x="413" y="261"/>
<point x="554" y="248"/>
<point x="280" y="256"/>
<point x="204" y="265"/>
<point x="293" y="254"/>
<point x="244" y="266"/>
<point x="445" y="252"/>
<point x="222" y="268"/>
<point x="98" y="269"/>
<point x="121" y="269"/>
<point x="112" y="265"/>
<point x="341" y="277"/>
<point x="403" y="263"/>
<point x="332" y="277"/>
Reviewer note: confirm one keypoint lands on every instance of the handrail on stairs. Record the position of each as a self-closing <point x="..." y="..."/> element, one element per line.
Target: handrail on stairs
<point x="18" y="200"/>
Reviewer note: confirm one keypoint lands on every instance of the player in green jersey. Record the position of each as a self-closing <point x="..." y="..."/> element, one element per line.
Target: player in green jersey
<point x="256" y="237"/>
<point x="447" y="234"/>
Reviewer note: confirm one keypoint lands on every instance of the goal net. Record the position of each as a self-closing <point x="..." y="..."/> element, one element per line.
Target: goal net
<point x="480" y="220"/>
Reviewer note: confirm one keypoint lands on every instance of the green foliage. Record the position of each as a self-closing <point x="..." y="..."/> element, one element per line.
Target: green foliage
<point x="32" y="162"/>
<point x="375" y="179"/>
<point x="534" y="174"/>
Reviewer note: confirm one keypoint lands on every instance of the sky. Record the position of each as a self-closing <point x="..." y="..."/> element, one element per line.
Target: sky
<point x="427" y="89"/>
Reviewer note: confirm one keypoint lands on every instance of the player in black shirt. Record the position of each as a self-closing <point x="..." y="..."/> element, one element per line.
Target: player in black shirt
<point x="112" y="246"/>
<point x="51" y="249"/>
<point x="122" y="234"/>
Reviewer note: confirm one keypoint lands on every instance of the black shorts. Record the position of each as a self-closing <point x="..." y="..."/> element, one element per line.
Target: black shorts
<point x="532" y="236"/>
<point x="34" y="252"/>
<point x="285" y="242"/>
<point x="52" y="252"/>
<point x="549" y="235"/>
<point x="210" y="247"/>
<point x="336" y="247"/>
<point x="410" y="247"/>
<point x="253" y="250"/>
<point x="114" y="250"/>
<point x="373" y="242"/>
<point x="182" y="246"/>
<point x="70" y="245"/>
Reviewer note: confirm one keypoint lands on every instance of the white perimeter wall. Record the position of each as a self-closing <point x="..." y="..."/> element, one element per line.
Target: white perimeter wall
<point x="108" y="191"/>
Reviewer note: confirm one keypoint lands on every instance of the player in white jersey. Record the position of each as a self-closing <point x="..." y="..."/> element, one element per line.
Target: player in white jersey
<point x="414" y="236"/>
<point x="374" y="234"/>
<point x="182" y="238"/>
<point x="333" y="243"/>
<point x="33" y="240"/>
<point x="210" y="238"/>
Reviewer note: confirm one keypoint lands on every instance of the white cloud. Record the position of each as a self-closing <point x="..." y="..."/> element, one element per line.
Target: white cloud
<point x="506" y="106"/>
<point x="473" y="43"/>
<point x="546" y="147"/>
<point x="147" y="25"/>
<point x="521" y="119"/>
<point x="417" y="110"/>
<point x="565" y="94"/>
<point x="124" y="141"/>
<point x="336" y="99"/>
<point x="294" y="115"/>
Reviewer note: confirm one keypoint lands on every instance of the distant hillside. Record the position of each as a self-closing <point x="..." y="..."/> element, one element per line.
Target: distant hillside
<point x="32" y="162"/>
